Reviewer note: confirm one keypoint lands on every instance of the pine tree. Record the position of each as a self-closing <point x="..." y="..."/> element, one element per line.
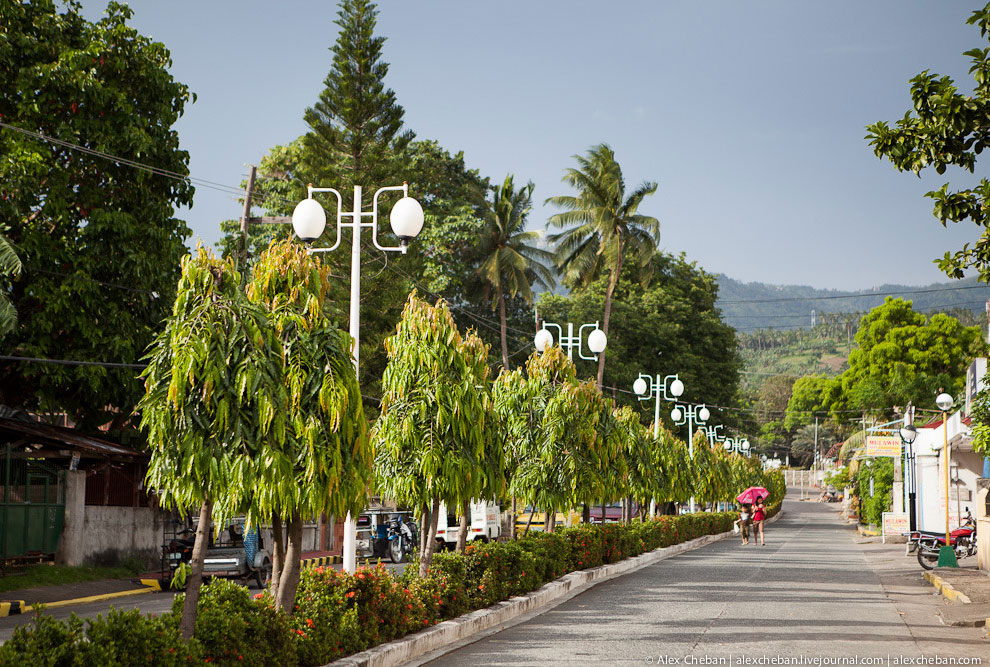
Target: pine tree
<point x="355" y="135"/>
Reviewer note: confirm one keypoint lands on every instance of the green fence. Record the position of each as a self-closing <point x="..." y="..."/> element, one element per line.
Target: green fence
<point x="32" y="506"/>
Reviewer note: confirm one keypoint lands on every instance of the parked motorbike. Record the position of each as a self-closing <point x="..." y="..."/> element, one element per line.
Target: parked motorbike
<point x="401" y="539"/>
<point x="962" y="540"/>
<point x="179" y="549"/>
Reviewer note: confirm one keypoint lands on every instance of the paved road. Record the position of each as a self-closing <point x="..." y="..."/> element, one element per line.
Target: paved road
<point x="813" y="591"/>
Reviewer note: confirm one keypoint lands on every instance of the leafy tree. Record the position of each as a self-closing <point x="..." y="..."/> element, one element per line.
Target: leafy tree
<point x="510" y="257"/>
<point x="316" y="457"/>
<point x="604" y="227"/>
<point x="643" y="459"/>
<point x="10" y="268"/>
<point x="567" y="442"/>
<point x="807" y="397"/>
<point x="678" y="482"/>
<point x="252" y="405"/>
<point x="431" y="434"/>
<point x="99" y="243"/>
<point x="948" y="127"/>
<point x="202" y="408"/>
<point x="713" y="475"/>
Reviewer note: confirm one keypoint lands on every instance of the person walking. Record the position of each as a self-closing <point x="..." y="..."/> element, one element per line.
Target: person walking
<point x="759" y="515"/>
<point x="744" y="519"/>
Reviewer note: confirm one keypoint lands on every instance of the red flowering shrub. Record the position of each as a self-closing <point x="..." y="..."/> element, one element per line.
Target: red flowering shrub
<point x="498" y="570"/>
<point x="551" y="553"/>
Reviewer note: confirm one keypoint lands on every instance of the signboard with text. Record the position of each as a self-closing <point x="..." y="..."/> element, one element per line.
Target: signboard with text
<point x="895" y="523"/>
<point x="883" y="445"/>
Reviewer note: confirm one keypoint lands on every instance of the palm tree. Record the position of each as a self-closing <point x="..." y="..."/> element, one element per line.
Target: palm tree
<point x="511" y="262"/>
<point x="607" y="230"/>
<point x="10" y="267"/>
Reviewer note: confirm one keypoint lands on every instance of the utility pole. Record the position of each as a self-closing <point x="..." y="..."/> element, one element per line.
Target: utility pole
<point x="246" y="216"/>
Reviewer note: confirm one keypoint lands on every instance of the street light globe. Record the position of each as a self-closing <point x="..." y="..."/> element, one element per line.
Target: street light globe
<point x="944" y="402"/>
<point x="406" y="219"/>
<point x="597" y="340"/>
<point x="703" y="414"/>
<point x="543" y="340"/>
<point x="909" y="433"/>
<point x="309" y="220"/>
<point x="675" y="414"/>
<point x="676" y="388"/>
<point x="727" y="445"/>
<point x="745" y="445"/>
<point x="639" y="387"/>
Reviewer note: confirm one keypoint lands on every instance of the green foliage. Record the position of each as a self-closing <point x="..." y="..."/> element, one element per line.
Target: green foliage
<point x="252" y="400"/>
<point x="97" y="238"/>
<point x="10" y="269"/>
<point x="433" y="434"/>
<point x="838" y="478"/>
<point x="872" y="507"/>
<point x="947" y="127"/>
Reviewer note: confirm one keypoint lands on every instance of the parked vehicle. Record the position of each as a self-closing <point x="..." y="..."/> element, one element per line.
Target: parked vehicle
<point x="572" y="518"/>
<point x="402" y="538"/>
<point x="178" y="549"/>
<point x="238" y="555"/>
<point x="484" y="525"/>
<point x="929" y="543"/>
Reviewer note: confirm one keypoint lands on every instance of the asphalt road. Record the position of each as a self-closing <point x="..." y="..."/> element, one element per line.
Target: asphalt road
<point x="812" y="592"/>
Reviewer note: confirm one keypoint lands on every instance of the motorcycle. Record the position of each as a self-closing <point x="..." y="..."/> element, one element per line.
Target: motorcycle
<point x="401" y="539"/>
<point x="928" y="543"/>
<point x="179" y="549"/>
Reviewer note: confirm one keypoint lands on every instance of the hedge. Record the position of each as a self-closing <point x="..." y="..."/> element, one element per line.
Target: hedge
<point x="338" y="613"/>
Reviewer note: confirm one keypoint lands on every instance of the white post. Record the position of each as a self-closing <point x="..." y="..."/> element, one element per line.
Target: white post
<point x="570" y="344"/>
<point x="350" y="525"/>
<point x="656" y="434"/>
<point x="690" y="414"/>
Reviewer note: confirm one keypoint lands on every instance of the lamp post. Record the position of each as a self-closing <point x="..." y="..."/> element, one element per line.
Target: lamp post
<point x="597" y="340"/>
<point x="946" y="555"/>
<point x="713" y="435"/>
<point x="309" y="220"/>
<point x="692" y="415"/>
<point x="650" y="386"/>
<point x="655" y="387"/>
<point x="737" y="445"/>
<point x="908" y="435"/>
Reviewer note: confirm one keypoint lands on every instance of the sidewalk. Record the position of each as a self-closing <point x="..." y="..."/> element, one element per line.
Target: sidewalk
<point x="23" y="601"/>
<point x="969" y="589"/>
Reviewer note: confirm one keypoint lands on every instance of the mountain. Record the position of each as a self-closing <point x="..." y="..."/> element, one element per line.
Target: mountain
<point x="752" y="306"/>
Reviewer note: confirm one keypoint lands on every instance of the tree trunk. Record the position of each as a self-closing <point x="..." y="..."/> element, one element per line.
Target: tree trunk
<point x="502" y="328"/>
<point x="629" y="510"/>
<point x="549" y="521"/>
<point x="188" y="622"/>
<point x="612" y="282"/>
<point x="278" y="554"/>
<point x="462" y="527"/>
<point x="529" y="522"/>
<point x="289" y="580"/>
<point x="431" y="541"/>
<point x="603" y="512"/>
<point x="512" y="524"/>
<point x="424" y="528"/>
<point x="586" y="513"/>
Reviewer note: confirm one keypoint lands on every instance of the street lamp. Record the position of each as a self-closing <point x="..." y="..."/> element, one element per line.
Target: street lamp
<point x="309" y="221"/>
<point x="649" y="386"/>
<point x="692" y="415"/>
<point x="738" y="445"/>
<point x="597" y="340"/>
<point x="908" y="435"/>
<point x="946" y="555"/>
<point x="713" y="435"/>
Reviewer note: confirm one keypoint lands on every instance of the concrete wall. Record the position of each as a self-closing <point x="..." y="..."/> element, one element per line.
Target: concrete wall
<point x="126" y="529"/>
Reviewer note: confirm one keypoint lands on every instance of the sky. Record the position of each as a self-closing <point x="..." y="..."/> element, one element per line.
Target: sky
<point x="750" y="115"/>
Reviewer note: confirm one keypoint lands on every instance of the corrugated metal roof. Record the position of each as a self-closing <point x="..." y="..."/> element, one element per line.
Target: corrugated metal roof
<point x="67" y="438"/>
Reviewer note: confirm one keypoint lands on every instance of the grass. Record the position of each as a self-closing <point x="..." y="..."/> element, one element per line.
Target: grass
<point x="38" y="576"/>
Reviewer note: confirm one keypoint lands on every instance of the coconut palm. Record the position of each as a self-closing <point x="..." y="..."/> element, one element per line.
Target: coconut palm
<point x="10" y="267"/>
<point x="510" y="259"/>
<point x="603" y="227"/>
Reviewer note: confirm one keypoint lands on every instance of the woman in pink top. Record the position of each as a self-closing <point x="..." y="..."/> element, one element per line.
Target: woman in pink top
<point x="759" y="514"/>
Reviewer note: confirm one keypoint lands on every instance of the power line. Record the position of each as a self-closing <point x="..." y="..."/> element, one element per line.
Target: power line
<point x="853" y="296"/>
<point x="70" y="362"/>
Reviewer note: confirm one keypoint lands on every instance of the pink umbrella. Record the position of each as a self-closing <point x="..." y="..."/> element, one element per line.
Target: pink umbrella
<point x="750" y="495"/>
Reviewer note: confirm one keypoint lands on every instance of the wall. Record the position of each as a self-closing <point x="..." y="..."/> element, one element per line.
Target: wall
<point x="126" y="529"/>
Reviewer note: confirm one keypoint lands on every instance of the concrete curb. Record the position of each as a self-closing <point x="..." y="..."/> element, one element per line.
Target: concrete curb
<point x="14" y="607"/>
<point x="946" y="589"/>
<point x="320" y="561"/>
<point x="450" y="632"/>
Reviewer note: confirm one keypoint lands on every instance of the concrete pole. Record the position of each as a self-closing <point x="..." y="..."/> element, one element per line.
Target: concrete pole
<point x="350" y="525"/>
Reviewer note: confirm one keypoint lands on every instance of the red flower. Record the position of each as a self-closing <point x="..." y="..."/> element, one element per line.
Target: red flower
<point x="301" y="633"/>
<point x="350" y="594"/>
<point x="258" y="596"/>
<point x="309" y="622"/>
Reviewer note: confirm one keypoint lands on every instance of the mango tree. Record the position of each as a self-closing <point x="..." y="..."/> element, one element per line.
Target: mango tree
<point x="677" y="485"/>
<point x="431" y="434"/>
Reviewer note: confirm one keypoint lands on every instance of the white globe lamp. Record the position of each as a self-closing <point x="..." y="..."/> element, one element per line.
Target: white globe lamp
<point x="639" y="387"/>
<point x="675" y="414"/>
<point x="597" y="340"/>
<point x="676" y="388"/>
<point x="406" y="219"/>
<point x="944" y="402"/>
<point x="543" y="340"/>
<point x="703" y="414"/>
<point x="309" y="220"/>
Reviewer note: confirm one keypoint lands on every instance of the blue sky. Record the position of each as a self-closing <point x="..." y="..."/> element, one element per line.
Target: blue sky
<point x="750" y="115"/>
